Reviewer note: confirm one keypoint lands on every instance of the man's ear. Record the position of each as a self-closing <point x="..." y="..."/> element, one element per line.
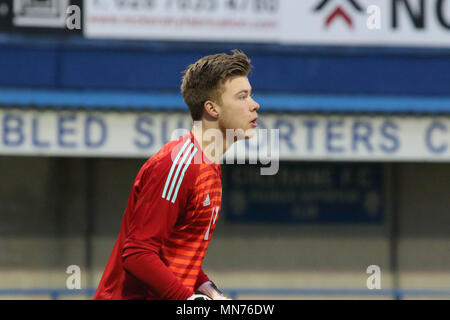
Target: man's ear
<point x="211" y="109"/>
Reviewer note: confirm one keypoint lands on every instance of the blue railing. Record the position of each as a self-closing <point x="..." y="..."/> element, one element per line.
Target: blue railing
<point x="76" y="63"/>
<point x="154" y="101"/>
<point x="235" y="293"/>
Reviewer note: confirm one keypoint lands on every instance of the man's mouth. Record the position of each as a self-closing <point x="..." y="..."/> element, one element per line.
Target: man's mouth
<point x="254" y="123"/>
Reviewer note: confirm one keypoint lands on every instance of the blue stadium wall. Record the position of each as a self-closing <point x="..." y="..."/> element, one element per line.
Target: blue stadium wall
<point x="45" y="65"/>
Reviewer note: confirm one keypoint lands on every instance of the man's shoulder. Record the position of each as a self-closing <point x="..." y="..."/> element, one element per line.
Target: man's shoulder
<point x="176" y="158"/>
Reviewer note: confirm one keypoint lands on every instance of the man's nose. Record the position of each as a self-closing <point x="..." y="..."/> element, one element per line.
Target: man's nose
<point x="255" y="105"/>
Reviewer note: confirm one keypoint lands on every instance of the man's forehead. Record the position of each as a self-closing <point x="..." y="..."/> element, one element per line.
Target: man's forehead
<point x="238" y="84"/>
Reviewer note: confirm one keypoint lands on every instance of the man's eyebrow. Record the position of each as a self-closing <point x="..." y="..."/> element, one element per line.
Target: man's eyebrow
<point x="242" y="91"/>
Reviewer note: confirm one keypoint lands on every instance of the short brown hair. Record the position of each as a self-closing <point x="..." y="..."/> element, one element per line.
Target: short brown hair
<point x="203" y="79"/>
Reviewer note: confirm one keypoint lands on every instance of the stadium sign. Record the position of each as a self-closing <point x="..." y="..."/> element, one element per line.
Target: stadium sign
<point x="327" y="22"/>
<point x="299" y="137"/>
<point x="55" y="16"/>
<point x="211" y="20"/>
<point x="307" y="192"/>
<point x="367" y="22"/>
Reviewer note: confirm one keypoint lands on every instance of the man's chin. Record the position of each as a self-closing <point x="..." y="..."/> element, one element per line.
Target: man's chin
<point x="241" y="134"/>
<point x="250" y="133"/>
<point x="247" y="135"/>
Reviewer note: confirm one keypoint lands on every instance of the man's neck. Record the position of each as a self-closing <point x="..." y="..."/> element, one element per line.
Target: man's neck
<point x="211" y="139"/>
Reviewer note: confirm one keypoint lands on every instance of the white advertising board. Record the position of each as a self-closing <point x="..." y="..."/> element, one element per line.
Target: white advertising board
<point x="367" y="22"/>
<point x="298" y="137"/>
<point x="319" y="22"/>
<point x="210" y="20"/>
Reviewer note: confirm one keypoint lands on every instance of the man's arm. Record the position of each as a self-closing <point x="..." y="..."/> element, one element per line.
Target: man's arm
<point x="201" y="279"/>
<point x="149" y="268"/>
<point x="151" y="222"/>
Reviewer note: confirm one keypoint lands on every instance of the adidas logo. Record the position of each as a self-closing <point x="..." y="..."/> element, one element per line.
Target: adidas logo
<point x="206" y="202"/>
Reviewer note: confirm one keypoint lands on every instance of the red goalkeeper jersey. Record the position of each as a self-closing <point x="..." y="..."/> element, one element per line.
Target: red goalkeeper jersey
<point x="170" y="217"/>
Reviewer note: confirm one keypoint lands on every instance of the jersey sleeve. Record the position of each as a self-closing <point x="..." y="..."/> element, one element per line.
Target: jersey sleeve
<point x="201" y="279"/>
<point x="161" y="196"/>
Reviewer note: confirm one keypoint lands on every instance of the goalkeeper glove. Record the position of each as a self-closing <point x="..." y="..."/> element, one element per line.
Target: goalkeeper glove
<point x="210" y="289"/>
<point x="199" y="296"/>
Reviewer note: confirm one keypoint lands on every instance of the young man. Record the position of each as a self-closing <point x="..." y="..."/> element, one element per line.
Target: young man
<point x="175" y="200"/>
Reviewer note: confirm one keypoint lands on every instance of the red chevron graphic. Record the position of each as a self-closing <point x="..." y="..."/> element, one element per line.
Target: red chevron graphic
<point x="339" y="12"/>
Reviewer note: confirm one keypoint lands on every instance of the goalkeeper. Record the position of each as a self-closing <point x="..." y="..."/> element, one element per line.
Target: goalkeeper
<point x="175" y="200"/>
